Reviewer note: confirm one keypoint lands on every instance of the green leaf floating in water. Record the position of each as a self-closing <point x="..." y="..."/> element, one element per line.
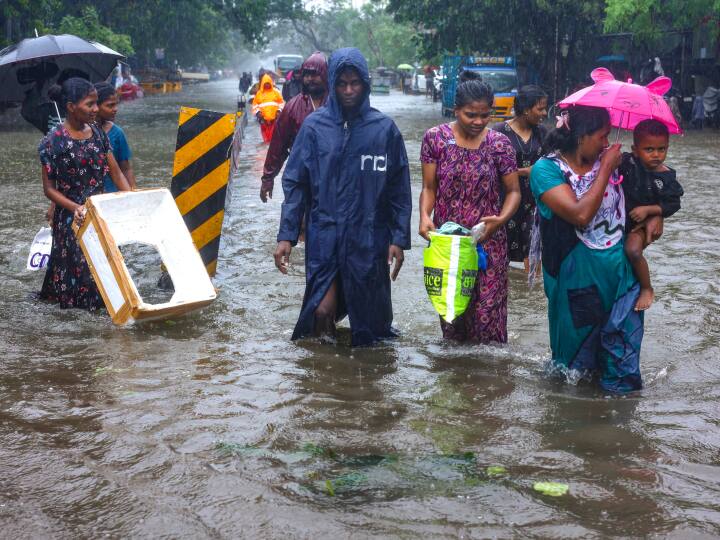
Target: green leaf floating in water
<point x="553" y="489"/>
<point x="329" y="488"/>
<point x="495" y="470"/>
<point x="318" y="451"/>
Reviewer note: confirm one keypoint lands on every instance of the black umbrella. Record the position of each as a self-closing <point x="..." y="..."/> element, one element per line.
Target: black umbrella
<point x="46" y="59"/>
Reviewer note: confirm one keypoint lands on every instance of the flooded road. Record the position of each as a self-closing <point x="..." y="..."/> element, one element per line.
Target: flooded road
<point x="217" y="426"/>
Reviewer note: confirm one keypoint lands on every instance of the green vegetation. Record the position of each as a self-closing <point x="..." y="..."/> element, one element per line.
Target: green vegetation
<point x="383" y="41"/>
<point x="88" y="26"/>
<point x="549" y="35"/>
<point x="650" y="19"/>
<point x="189" y="32"/>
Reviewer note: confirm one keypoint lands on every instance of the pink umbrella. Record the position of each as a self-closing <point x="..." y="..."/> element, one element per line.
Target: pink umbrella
<point x="628" y="103"/>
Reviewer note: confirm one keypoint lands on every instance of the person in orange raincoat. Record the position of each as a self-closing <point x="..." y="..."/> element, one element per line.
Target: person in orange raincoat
<point x="265" y="106"/>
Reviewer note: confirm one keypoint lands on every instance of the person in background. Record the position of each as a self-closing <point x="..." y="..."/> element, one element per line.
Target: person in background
<point x="244" y="82"/>
<point x="293" y="84"/>
<point x="595" y="331"/>
<point x="465" y="167"/>
<point x="75" y="158"/>
<point x="348" y="175"/>
<point x="313" y="96"/>
<point x="266" y="105"/>
<point x="107" y="110"/>
<point x="526" y="133"/>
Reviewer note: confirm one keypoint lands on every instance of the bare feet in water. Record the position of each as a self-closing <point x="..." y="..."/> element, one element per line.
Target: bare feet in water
<point x="645" y="299"/>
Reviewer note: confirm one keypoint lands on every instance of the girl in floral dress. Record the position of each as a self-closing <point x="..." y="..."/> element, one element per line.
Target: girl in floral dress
<point x="465" y="166"/>
<point x="75" y="157"/>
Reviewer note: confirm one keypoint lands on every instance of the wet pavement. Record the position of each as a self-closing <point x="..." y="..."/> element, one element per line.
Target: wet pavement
<point x="217" y="426"/>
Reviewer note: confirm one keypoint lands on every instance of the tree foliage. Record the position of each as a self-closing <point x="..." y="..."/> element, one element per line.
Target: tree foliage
<point x="370" y="28"/>
<point x="649" y="20"/>
<point x="88" y="26"/>
<point x="190" y="32"/>
<point x="535" y="31"/>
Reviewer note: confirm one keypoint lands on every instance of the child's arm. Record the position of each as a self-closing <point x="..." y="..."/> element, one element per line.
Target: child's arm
<point x="641" y="213"/>
<point x="116" y="174"/>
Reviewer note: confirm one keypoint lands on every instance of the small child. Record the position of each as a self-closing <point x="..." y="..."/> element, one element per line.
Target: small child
<point x="650" y="190"/>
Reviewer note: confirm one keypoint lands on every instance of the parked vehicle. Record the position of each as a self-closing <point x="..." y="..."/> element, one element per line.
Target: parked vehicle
<point x="498" y="71"/>
<point x="380" y="80"/>
<point x="287" y="62"/>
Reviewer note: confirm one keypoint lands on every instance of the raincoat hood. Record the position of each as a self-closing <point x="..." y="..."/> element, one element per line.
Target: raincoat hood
<point x="267" y="101"/>
<point x="317" y="62"/>
<point x="266" y="83"/>
<point x="341" y="58"/>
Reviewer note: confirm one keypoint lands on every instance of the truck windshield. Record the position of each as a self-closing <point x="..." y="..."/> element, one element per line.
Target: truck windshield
<point x="501" y="81"/>
<point x="286" y="63"/>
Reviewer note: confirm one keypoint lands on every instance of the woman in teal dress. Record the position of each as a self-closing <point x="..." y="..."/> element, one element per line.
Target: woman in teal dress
<point x="589" y="283"/>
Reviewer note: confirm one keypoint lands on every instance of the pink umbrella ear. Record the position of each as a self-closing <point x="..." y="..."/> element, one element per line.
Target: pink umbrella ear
<point x="601" y="75"/>
<point x="660" y="85"/>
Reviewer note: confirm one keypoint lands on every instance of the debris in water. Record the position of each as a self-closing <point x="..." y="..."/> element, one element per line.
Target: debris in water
<point x="553" y="489"/>
<point x="495" y="470"/>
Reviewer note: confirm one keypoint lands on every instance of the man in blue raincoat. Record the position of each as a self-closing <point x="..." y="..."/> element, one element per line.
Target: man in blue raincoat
<point x="348" y="175"/>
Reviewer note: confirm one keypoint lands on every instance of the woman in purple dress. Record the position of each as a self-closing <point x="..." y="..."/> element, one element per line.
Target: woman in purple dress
<point x="465" y="168"/>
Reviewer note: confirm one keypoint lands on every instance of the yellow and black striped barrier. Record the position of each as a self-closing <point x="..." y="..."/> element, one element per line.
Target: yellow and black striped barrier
<point x="200" y="176"/>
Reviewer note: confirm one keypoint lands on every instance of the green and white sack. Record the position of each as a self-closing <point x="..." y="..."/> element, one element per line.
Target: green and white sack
<point x="451" y="266"/>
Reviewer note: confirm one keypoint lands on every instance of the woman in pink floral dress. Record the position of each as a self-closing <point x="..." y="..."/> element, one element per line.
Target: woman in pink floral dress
<point x="465" y="168"/>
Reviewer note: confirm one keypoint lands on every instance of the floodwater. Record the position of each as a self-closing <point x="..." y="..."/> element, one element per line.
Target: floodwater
<point x="217" y="426"/>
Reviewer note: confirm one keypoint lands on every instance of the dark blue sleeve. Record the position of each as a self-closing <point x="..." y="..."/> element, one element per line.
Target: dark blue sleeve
<point x="670" y="198"/>
<point x="295" y="183"/>
<point x="398" y="191"/>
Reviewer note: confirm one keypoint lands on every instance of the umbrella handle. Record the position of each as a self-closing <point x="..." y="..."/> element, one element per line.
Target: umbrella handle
<point x="57" y="111"/>
<point x="617" y="133"/>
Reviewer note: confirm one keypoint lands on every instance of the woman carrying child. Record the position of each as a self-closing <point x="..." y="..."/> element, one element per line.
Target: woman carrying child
<point x="465" y="168"/>
<point x="107" y="110"/>
<point x="588" y="280"/>
<point x="75" y="158"/>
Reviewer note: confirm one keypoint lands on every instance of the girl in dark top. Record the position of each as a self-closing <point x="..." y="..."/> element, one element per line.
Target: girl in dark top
<point x="75" y="158"/>
<point x="107" y="110"/>
<point x="526" y="133"/>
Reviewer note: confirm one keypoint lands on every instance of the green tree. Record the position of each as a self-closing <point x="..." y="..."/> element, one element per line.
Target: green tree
<point x="20" y="18"/>
<point x="538" y="32"/>
<point x="88" y="26"/>
<point x="650" y="19"/>
<point x="371" y="29"/>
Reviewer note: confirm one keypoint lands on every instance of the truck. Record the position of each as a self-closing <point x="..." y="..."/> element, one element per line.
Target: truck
<point x="287" y="62"/>
<point x="500" y="72"/>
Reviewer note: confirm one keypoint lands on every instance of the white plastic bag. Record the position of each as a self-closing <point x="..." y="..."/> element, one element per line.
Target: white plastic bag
<point x="40" y="249"/>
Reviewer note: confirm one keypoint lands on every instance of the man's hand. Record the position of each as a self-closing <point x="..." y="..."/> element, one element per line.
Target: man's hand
<point x="282" y="256"/>
<point x="395" y="252"/>
<point x="266" y="189"/>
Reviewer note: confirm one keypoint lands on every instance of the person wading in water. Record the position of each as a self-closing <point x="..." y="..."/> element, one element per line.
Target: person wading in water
<point x="348" y="175"/>
<point x="314" y="95"/>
